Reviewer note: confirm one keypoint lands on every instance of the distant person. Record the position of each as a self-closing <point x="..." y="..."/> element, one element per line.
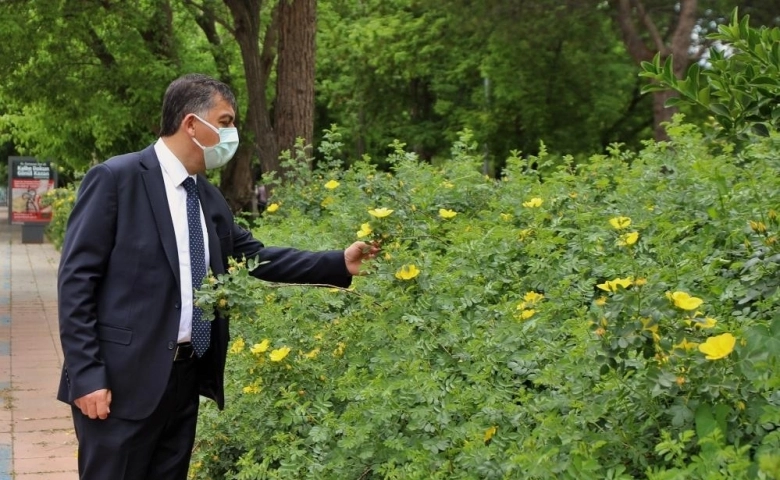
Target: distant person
<point x="143" y="229"/>
<point x="262" y="198"/>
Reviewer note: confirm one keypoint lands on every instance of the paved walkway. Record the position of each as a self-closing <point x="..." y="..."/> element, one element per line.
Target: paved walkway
<point x="36" y="433"/>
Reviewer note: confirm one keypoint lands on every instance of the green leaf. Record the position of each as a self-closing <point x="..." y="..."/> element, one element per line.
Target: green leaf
<point x="774" y="327"/>
<point x="648" y="68"/>
<point x="721" y="414"/>
<point x="675" y="102"/>
<point x="720" y="109"/>
<point x="668" y="72"/>
<point x="704" y="96"/>
<point x="704" y="420"/>
<point x="653" y="87"/>
<point x="735" y="16"/>
<point x="744" y="27"/>
<point x="760" y="129"/>
<point x="761" y="52"/>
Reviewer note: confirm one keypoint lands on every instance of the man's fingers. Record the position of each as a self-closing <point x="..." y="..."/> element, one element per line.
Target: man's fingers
<point x="102" y="409"/>
<point x="107" y="404"/>
<point x="369" y="250"/>
<point x="92" y="410"/>
<point x="83" y="405"/>
<point x="95" y="405"/>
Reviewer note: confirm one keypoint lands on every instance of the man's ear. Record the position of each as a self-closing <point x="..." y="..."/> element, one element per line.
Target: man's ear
<point x="188" y="124"/>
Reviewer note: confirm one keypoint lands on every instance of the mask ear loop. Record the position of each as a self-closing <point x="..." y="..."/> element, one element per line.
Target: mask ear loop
<point x="212" y="127"/>
<point x="215" y="130"/>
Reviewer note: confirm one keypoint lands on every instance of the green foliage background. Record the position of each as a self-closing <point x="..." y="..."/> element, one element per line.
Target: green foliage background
<point x="440" y="377"/>
<point x="738" y="86"/>
<point x="422" y="71"/>
<point x="83" y="81"/>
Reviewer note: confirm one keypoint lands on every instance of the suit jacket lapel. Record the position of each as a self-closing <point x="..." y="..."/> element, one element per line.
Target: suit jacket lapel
<point x="215" y="252"/>
<point x="155" y="190"/>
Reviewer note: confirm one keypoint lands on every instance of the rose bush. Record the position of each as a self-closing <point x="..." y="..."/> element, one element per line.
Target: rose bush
<point x="612" y="318"/>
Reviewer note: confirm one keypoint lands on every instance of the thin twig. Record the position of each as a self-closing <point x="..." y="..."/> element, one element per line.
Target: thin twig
<point x="414" y="237"/>
<point x="325" y="285"/>
<point x="365" y="473"/>
<point x="205" y="12"/>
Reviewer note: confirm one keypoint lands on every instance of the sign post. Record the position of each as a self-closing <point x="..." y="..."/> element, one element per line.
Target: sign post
<point x="29" y="180"/>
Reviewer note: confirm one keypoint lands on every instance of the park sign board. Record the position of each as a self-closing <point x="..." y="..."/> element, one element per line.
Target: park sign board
<point x="28" y="181"/>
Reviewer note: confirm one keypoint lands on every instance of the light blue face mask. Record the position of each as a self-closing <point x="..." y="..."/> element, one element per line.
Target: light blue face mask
<point x="218" y="155"/>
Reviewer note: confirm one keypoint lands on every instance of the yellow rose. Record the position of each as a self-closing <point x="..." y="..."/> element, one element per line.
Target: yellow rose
<point x="365" y="230"/>
<point x="380" y="212"/>
<point x="718" y="347"/>
<point x="612" y="285"/>
<point x="628" y="239"/>
<point x="686" y="345"/>
<point x="407" y="272"/>
<point x="533" y="297"/>
<point x="526" y="314"/>
<point x="757" y="227"/>
<point x="619" y="223"/>
<point x="261" y="347"/>
<point x="447" y="214"/>
<point x="279" y="354"/>
<point x="238" y="346"/>
<point x="684" y="301"/>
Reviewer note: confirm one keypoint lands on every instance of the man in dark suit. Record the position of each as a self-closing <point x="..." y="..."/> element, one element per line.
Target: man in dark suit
<point x="144" y="227"/>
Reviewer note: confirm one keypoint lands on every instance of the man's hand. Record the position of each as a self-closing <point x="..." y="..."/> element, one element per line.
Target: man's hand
<point x="356" y="253"/>
<point x="95" y="404"/>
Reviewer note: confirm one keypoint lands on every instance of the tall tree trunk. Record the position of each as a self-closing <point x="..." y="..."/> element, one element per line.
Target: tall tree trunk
<point x="206" y="18"/>
<point x="631" y="12"/>
<point x="237" y="182"/>
<point x="662" y="114"/>
<point x="421" y="109"/>
<point x="294" y="107"/>
<point x="291" y="29"/>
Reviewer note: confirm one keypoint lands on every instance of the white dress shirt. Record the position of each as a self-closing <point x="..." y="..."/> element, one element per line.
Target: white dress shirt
<point x="174" y="174"/>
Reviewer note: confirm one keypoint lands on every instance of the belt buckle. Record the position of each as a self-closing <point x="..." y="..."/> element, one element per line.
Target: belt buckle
<point x="181" y="352"/>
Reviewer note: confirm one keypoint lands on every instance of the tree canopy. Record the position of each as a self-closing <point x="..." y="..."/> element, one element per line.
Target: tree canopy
<point x="83" y="81"/>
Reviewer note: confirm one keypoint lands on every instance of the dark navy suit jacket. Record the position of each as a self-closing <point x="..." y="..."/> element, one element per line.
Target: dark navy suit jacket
<point x="119" y="297"/>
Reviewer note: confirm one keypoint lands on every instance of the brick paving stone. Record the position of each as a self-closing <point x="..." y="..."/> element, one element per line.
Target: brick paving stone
<point x="46" y="476"/>
<point x="64" y="423"/>
<point x="43" y="444"/>
<point x="37" y="440"/>
<point x="38" y="467"/>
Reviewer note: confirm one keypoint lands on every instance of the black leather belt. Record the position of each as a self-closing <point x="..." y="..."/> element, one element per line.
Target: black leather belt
<point x="184" y="351"/>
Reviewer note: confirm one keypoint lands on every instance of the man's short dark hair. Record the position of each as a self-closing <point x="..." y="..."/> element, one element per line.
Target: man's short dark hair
<point x="191" y="93"/>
